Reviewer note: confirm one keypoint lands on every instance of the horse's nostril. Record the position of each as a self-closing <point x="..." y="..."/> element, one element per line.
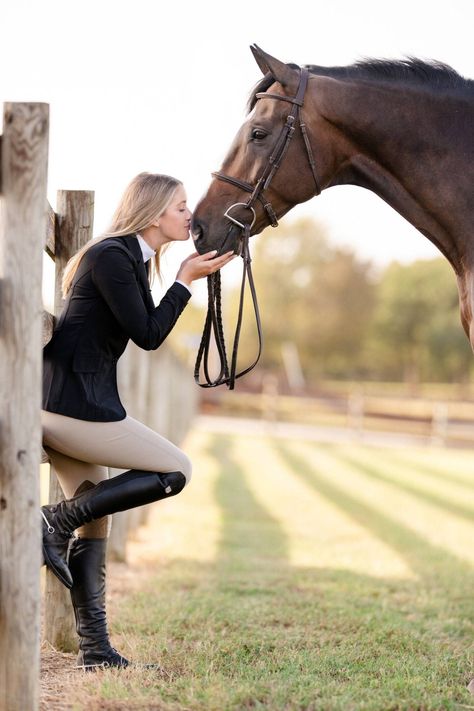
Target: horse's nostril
<point x="196" y="229"/>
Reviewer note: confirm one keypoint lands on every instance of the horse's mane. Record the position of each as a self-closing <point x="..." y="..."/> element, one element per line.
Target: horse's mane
<point x="429" y="74"/>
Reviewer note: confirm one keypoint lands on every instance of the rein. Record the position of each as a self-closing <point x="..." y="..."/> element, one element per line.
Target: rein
<point x="213" y="324"/>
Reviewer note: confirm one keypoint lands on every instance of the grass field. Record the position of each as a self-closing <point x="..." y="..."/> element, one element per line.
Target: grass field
<point x="296" y="575"/>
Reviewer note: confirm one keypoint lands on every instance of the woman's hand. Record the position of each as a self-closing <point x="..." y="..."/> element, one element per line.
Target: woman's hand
<point x="197" y="266"/>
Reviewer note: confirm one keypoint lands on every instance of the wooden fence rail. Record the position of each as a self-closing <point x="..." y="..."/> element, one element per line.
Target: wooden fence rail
<point x="433" y="420"/>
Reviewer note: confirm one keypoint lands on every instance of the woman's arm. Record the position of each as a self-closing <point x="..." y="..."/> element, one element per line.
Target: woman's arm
<point x="115" y="278"/>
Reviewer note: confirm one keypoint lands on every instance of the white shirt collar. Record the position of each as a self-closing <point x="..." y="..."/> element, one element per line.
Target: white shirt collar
<point x="147" y="251"/>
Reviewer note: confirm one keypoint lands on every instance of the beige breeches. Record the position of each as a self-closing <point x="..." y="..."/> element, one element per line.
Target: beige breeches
<point x="81" y="452"/>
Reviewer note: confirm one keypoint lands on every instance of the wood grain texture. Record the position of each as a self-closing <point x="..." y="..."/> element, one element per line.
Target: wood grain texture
<point x="24" y="161"/>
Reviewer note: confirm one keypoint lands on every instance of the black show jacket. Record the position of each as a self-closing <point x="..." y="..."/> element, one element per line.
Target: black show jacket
<point x="109" y="302"/>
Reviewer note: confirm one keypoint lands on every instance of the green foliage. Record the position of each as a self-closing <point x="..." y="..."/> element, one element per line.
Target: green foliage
<point x="416" y="332"/>
<point x="347" y="323"/>
<point x="315" y="295"/>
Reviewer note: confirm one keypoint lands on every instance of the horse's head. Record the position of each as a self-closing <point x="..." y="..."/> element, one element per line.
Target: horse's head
<point x="249" y="190"/>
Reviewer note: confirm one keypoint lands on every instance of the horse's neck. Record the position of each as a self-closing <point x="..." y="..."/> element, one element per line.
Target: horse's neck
<point x="401" y="145"/>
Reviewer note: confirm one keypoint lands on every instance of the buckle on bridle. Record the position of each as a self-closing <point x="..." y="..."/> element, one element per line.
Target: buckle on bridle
<point x="236" y="222"/>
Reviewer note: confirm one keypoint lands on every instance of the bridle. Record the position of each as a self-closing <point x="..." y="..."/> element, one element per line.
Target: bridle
<point x="213" y="322"/>
<point x="278" y="153"/>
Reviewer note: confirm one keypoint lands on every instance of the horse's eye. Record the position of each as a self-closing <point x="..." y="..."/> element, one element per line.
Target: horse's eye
<point x="258" y="134"/>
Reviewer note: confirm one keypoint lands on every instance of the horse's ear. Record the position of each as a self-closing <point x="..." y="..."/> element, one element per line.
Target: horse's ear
<point x="283" y="74"/>
<point x="258" y="55"/>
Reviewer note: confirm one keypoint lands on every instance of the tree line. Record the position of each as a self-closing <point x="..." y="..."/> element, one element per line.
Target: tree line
<point x="347" y="320"/>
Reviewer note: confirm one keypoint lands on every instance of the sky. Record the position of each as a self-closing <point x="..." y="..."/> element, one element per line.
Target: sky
<point x="162" y="87"/>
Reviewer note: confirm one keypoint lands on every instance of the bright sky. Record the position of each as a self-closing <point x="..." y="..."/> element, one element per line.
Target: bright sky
<point x="162" y="86"/>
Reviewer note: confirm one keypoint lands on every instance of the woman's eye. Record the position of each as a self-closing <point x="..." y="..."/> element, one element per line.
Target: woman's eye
<point x="258" y="134"/>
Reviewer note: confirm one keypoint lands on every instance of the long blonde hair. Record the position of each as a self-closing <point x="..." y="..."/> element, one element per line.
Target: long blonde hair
<point x="144" y="200"/>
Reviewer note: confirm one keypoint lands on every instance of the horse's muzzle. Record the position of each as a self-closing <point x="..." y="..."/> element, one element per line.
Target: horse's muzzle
<point x="224" y="238"/>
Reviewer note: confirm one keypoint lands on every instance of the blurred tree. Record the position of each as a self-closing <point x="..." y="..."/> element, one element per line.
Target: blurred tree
<point x="313" y="294"/>
<point x="343" y="321"/>
<point x="416" y="332"/>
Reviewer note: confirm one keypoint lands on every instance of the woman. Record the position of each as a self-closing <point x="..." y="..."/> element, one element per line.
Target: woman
<point x="85" y="427"/>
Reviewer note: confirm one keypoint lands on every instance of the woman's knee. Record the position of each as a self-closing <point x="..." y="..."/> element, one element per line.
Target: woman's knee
<point x="186" y="468"/>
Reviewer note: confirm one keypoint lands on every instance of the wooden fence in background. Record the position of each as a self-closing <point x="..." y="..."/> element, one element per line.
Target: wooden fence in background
<point x="439" y="419"/>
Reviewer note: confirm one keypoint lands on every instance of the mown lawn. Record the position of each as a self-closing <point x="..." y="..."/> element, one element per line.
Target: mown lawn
<point x="297" y="575"/>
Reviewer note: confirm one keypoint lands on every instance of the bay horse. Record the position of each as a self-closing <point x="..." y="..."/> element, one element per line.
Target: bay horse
<point x="403" y="129"/>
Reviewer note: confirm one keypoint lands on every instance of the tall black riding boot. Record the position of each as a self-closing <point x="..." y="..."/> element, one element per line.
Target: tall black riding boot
<point x="123" y="492"/>
<point x="87" y="564"/>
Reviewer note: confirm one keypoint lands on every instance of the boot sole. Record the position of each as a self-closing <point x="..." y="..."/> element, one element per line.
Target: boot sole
<point x="102" y="665"/>
<point x="65" y="581"/>
<point x="106" y="665"/>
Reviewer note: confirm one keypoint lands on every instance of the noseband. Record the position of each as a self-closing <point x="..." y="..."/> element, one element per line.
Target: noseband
<point x="213" y="324"/>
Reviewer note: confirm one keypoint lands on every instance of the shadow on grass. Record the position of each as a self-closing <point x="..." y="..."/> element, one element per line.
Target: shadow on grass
<point x="249" y="534"/>
<point x="433" y="471"/>
<point x="376" y="473"/>
<point x="445" y="572"/>
<point x="251" y="631"/>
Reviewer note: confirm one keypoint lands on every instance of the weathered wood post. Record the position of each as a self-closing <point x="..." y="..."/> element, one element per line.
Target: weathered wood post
<point x="75" y="216"/>
<point x="24" y="165"/>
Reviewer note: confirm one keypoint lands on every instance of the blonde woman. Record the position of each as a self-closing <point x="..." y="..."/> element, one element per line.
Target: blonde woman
<point x="85" y="427"/>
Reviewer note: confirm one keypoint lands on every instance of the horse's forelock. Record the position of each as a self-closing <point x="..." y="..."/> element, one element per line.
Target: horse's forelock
<point x="263" y="85"/>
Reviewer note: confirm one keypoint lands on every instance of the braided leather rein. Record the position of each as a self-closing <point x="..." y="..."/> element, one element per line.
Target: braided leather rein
<point x="213" y="325"/>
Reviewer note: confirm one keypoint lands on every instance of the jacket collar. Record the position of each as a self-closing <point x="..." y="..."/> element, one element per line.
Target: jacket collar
<point x="131" y="243"/>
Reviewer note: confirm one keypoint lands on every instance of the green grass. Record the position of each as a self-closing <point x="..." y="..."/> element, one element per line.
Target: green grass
<point x="292" y="575"/>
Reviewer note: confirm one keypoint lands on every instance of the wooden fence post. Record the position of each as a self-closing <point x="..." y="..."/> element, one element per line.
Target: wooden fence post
<point x="75" y="216"/>
<point x="24" y="162"/>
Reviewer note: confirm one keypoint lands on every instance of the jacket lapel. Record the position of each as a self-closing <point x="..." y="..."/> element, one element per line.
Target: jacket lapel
<point x="131" y="242"/>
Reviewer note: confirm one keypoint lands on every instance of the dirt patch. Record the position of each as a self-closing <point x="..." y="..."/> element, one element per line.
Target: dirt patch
<point x="57" y="676"/>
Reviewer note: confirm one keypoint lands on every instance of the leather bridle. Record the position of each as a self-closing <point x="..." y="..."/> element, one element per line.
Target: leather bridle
<point x="278" y="153"/>
<point x="213" y="324"/>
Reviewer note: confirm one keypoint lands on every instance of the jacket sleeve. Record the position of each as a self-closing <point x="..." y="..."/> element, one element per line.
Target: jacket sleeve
<point x="114" y="276"/>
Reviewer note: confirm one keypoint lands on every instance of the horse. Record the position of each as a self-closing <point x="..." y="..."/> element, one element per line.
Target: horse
<point x="403" y="129"/>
